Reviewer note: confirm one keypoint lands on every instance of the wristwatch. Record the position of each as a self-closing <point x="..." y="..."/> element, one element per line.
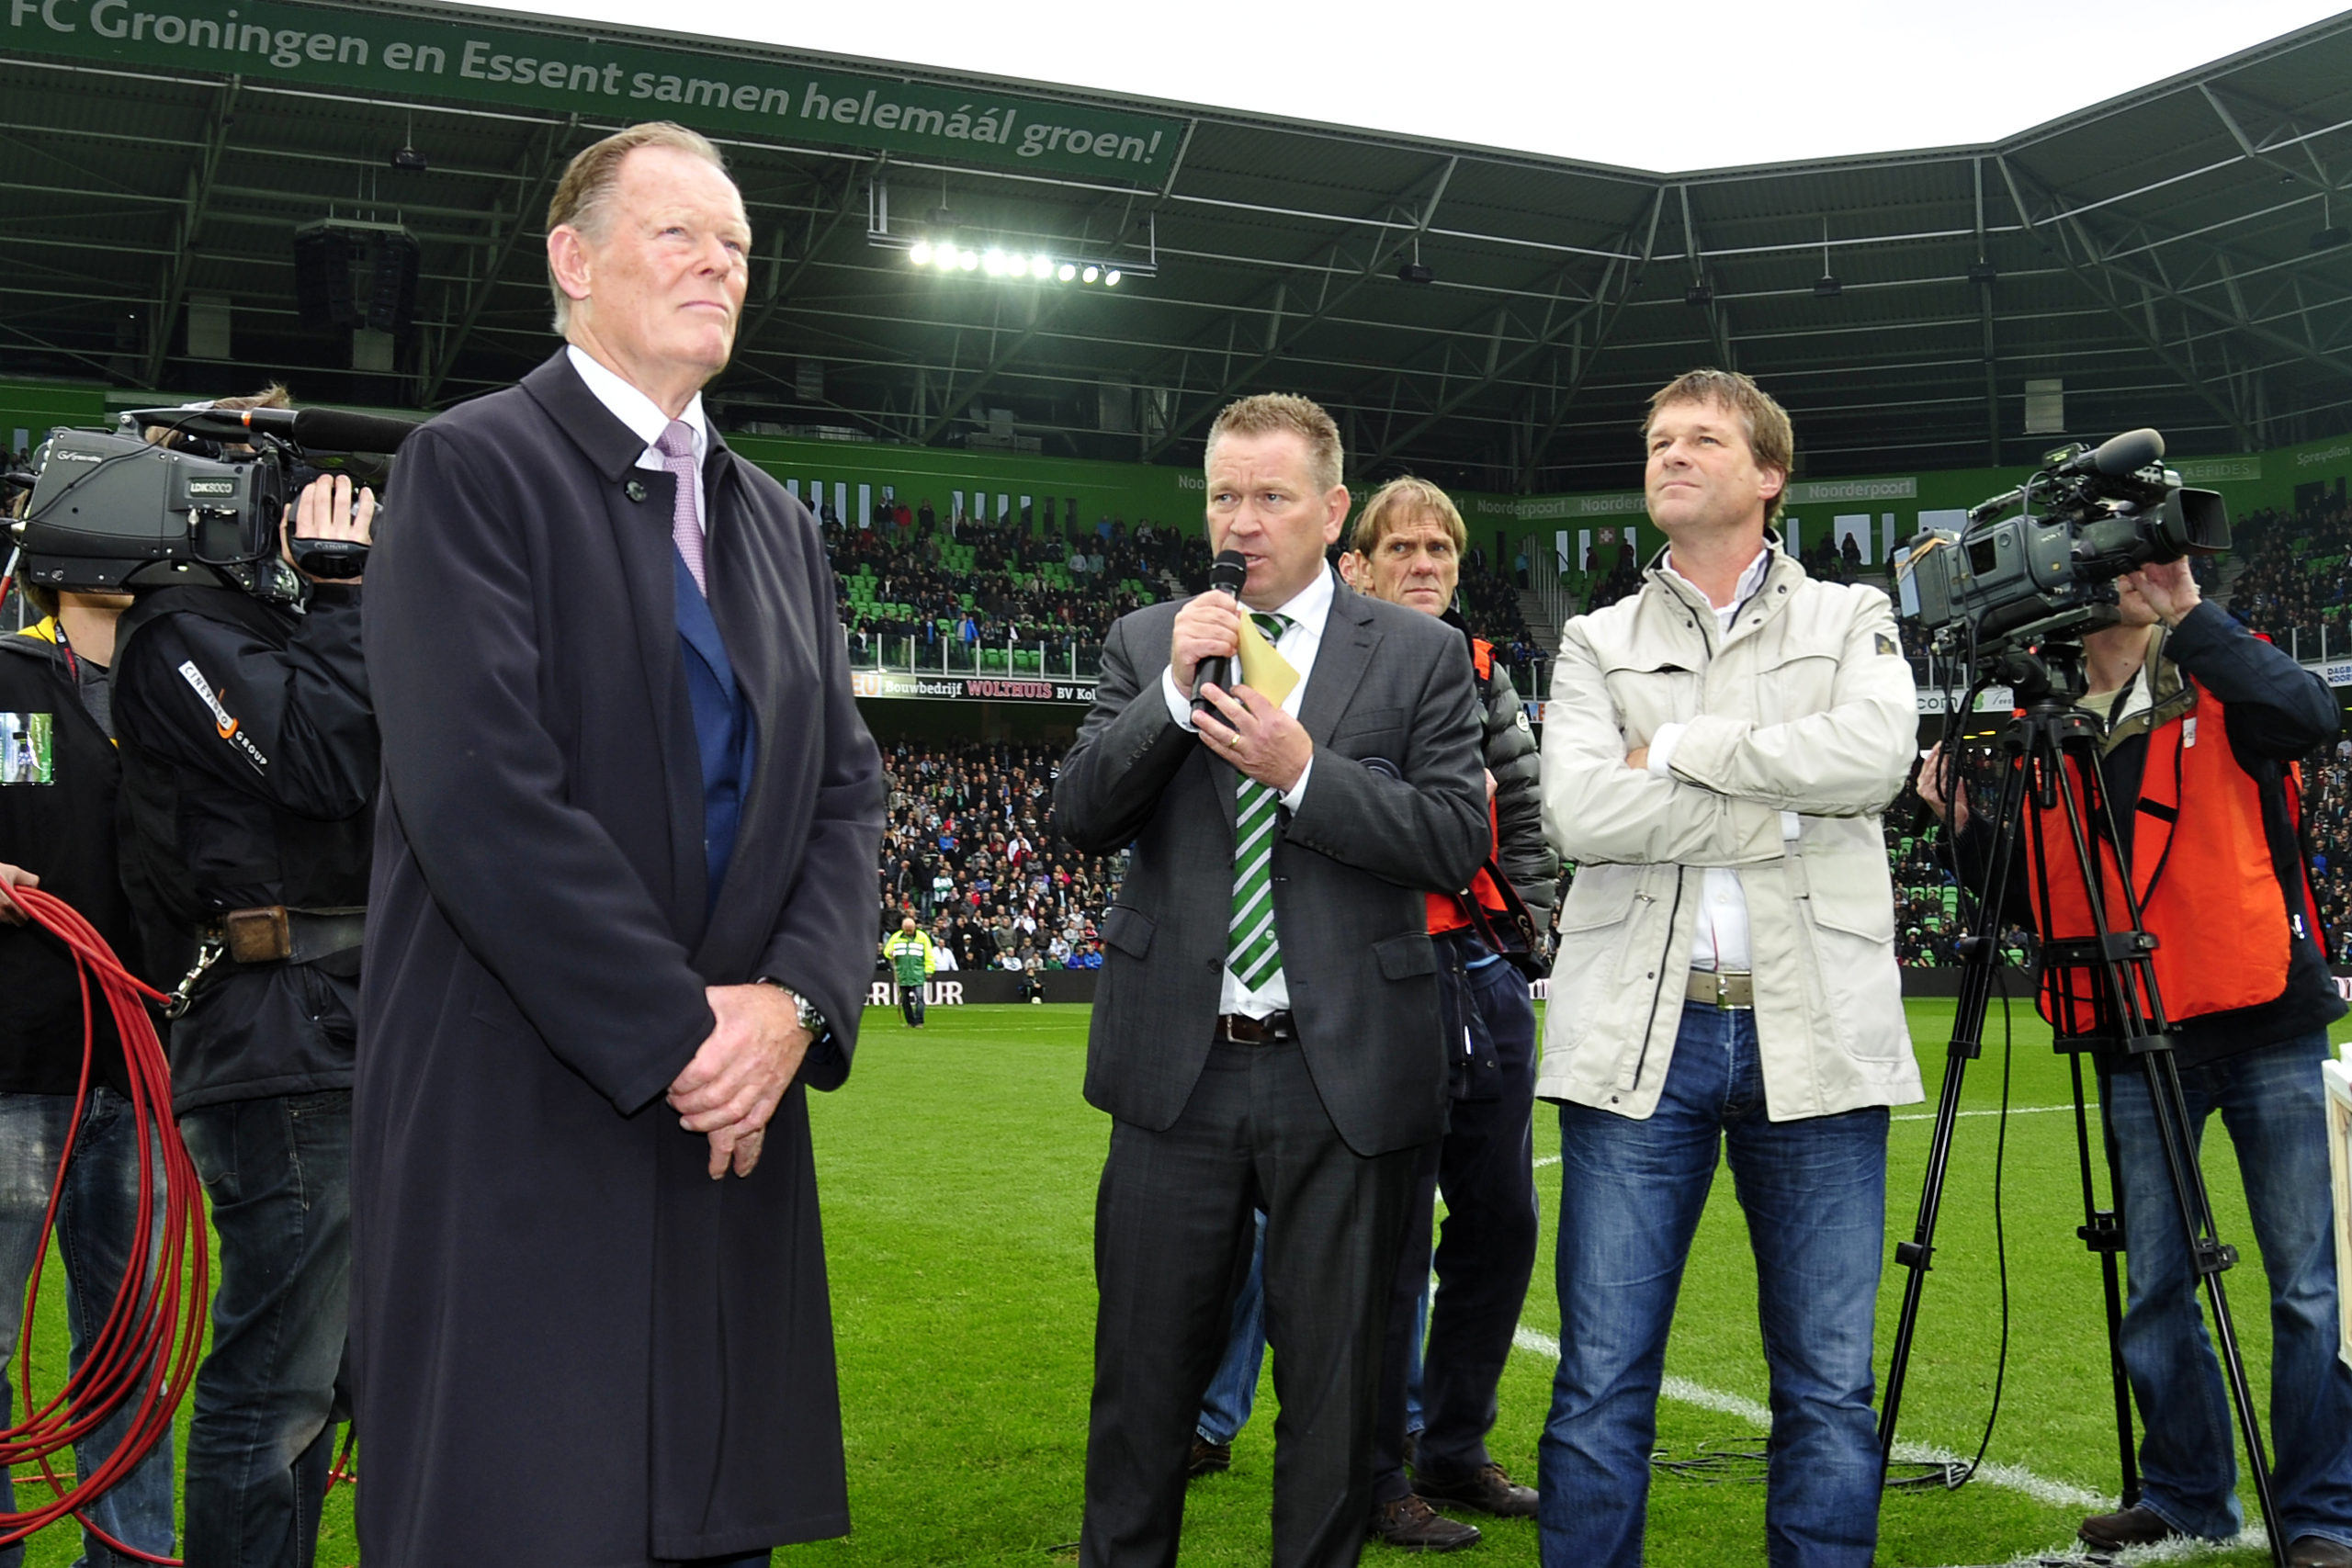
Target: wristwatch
<point x="807" y="1016"/>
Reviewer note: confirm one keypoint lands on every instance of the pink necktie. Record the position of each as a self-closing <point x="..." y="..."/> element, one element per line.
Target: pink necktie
<point x="677" y="449"/>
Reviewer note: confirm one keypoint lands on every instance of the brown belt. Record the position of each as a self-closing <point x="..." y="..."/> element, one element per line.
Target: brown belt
<point x="1715" y="988"/>
<point x="1240" y="1029"/>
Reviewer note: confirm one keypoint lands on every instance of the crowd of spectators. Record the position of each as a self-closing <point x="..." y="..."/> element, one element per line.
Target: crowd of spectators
<point x="928" y="578"/>
<point x="908" y="578"/>
<point x="2298" y="575"/>
<point x="968" y="849"/>
<point x="2327" y="830"/>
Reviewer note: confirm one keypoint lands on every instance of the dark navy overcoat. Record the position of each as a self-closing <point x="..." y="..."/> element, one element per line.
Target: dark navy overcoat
<point x="571" y="1347"/>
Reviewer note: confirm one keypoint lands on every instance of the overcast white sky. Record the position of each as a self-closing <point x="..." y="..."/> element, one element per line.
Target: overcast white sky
<point x="1692" y="84"/>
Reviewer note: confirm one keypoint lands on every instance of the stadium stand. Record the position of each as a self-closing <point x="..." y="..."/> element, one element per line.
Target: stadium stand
<point x="917" y="590"/>
<point x="969" y="850"/>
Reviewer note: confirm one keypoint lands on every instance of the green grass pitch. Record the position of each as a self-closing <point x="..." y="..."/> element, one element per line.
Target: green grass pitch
<point x="958" y="1171"/>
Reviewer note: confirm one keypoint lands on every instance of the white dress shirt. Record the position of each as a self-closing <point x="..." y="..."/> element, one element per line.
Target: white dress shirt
<point x="645" y="417"/>
<point x="1307" y="610"/>
<point x="1721" y="941"/>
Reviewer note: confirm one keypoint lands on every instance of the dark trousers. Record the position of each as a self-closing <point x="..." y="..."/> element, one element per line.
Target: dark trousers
<point x="1485" y="1251"/>
<point x="910" y="1003"/>
<point x="277" y="1175"/>
<point x="1173" y="1226"/>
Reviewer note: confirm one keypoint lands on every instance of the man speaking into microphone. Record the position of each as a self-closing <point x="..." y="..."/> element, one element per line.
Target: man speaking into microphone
<point x="1265" y="1034"/>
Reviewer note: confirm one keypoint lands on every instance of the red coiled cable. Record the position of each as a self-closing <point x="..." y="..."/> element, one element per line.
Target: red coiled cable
<point x="145" y="1354"/>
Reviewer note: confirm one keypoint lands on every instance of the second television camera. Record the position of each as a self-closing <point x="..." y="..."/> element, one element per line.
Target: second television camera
<point x="110" y="510"/>
<point x="2047" y="571"/>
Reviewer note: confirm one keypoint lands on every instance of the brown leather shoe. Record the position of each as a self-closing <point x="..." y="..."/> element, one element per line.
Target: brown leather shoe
<point x="1488" y="1489"/>
<point x="1207" y="1458"/>
<point x="1412" y="1525"/>
<point x="2131" y="1527"/>
<point x="2318" y="1552"/>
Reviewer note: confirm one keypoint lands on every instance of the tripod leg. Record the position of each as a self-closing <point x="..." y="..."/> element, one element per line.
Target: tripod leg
<point x="2102" y="1232"/>
<point x="1981" y="952"/>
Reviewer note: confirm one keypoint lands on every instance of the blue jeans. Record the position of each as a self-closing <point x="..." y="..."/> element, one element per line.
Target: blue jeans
<point x="1225" y="1408"/>
<point x="97" y="1224"/>
<point x="1630" y="1194"/>
<point x="278" y="1172"/>
<point x="2271" y="1100"/>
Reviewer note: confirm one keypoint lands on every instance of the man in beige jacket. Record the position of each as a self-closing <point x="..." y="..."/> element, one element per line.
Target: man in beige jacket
<point x="1717" y="750"/>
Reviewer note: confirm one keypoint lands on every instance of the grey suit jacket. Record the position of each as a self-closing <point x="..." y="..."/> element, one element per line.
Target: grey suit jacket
<point x="1395" y="807"/>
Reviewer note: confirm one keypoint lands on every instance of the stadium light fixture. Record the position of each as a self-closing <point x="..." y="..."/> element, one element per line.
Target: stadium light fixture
<point x="1090" y="274"/>
<point x="1066" y="271"/>
<point x="1826" y="286"/>
<point x="1110" y="278"/>
<point x="920" y="252"/>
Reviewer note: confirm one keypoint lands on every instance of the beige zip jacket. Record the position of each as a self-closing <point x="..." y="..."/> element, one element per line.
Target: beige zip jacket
<point x="1805" y="706"/>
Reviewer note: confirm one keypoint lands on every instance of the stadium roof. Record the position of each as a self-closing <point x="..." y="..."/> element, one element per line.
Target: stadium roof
<point x="2172" y="256"/>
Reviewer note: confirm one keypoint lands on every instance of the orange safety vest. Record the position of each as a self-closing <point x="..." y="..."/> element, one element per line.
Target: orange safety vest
<point x="1445" y="911"/>
<point x="2201" y="867"/>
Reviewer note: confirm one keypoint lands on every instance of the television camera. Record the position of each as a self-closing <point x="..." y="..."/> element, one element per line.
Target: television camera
<point x="110" y="510"/>
<point x="2045" y="572"/>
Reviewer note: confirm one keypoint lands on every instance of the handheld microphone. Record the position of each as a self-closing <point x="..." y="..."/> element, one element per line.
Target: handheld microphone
<point x="1226" y="574"/>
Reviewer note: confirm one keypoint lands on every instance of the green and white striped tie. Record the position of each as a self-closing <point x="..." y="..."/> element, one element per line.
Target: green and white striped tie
<point x="1252" y="951"/>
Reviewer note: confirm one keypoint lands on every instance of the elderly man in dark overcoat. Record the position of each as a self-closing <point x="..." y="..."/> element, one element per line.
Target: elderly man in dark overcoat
<point x="621" y="922"/>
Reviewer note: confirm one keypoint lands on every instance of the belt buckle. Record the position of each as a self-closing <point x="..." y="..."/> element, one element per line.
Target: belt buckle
<point x="258" y="936"/>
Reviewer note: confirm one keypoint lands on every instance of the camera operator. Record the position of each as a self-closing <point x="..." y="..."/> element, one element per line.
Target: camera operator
<point x="250" y="767"/>
<point x="2210" y="821"/>
<point x="57" y="833"/>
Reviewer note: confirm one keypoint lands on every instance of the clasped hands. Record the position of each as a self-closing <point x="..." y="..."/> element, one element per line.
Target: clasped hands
<point x="1255" y="735"/>
<point x="740" y="1073"/>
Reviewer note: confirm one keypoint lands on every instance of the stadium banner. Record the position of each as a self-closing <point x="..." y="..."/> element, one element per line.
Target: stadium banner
<point x="899" y="684"/>
<point x="405" y="51"/>
<point x="974" y="988"/>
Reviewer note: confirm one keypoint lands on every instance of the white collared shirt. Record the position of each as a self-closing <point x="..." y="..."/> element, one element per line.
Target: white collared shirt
<point x="644" y="417"/>
<point x="1307" y="610"/>
<point x="1721" y="941"/>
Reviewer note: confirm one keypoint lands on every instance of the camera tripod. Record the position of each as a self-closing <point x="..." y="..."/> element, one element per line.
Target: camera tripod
<point x="2109" y="972"/>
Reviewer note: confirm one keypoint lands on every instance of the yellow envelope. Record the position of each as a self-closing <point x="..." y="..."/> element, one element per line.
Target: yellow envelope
<point x="1262" y="669"/>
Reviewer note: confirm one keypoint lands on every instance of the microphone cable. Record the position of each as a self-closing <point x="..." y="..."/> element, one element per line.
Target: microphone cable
<point x="144" y="1355"/>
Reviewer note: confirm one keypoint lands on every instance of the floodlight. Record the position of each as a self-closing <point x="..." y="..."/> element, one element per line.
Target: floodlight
<point x="918" y="253"/>
<point x="993" y="263"/>
<point x="1041" y="266"/>
<point x="1827" y="286"/>
<point x="1414" y="272"/>
<point x="1090" y="274"/>
<point x="1110" y="278"/>
<point x="1066" y="271"/>
<point x="968" y="261"/>
<point x="1697" y="294"/>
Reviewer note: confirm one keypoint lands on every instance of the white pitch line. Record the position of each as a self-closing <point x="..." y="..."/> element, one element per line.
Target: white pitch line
<point x="2013" y="1110"/>
<point x="2009" y="1477"/>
